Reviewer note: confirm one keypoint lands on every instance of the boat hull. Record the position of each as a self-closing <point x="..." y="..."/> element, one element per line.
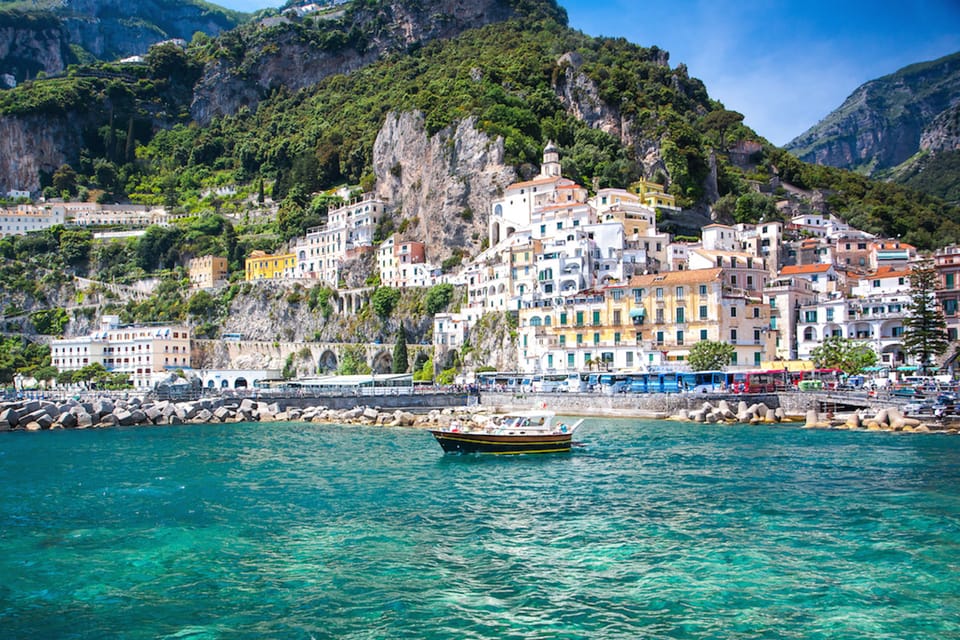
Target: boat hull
<point x="459" y="442"/>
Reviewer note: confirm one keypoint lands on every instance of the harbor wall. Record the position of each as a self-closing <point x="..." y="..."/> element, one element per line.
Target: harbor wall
<point x="650" y="405"/>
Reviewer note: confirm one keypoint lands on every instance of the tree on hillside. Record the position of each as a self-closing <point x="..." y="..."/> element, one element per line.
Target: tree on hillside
<point x="707" y="355"/>
<point x="925" y="329"/>
<point x="850" y="356"/>
<point x="400" y="361"/>
<point x="720" y="121"/>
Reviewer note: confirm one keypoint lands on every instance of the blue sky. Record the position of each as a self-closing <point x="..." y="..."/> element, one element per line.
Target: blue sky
<point x="784" y="65"/>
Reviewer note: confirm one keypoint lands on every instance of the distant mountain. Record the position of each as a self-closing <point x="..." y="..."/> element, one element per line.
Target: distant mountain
<point x="886" y="121"/>
<point x="48" y="35"/>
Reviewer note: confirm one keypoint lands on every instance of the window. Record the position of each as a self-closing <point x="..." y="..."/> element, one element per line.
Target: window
<point x="596" y="318"/>
<point x="563" y="341"/>
<point x="680" y="315"/>
<point x="617" y="294"/>
<point x="810" y="316"/>
<point x="563" y="317"/>
<point x="703" y="289"/>
<point x="550" y="361"/>
<point x="756" y="335"/>
<point x="616" y="337"/>
<point x="733" y="312"/>
<point x="830" y="314"/>
<point x="659" y="293"/>
<point x="637" y="295"/>
<point x="703" y="334"/>
<point x="950" y="280"/>
<point x="571" y="361"/>
<point x="896" y="332"/>
<point x="579" y="318"/>
<point x="616" y="317"/>
<point x="579" y="339"/>
<point x="659" y="318"/>
<point x="680" y="337"/>
<point x="733" y="336"/>
<point x="950" y="307"/>
<point x="680" y="293"/>
<point x="596" y="338"/>
<point x="659" y="337"/>
<point x="703" y="312"/>
<point x="756" y="358"/>
<point x="876" y="284"/>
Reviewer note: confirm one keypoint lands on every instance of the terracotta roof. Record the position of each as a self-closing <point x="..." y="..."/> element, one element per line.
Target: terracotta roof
<point x="687" y="276"/>
<point x="538" y="181"/>
<point x="887" y="271"/>
<point x="798" y="269"/>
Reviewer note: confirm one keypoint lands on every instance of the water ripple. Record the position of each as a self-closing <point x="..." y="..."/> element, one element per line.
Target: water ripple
<point x="648" y="530"/>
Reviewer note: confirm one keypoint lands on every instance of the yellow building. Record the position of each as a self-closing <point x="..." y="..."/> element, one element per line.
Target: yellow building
<point x="650" y="321"/>
<point x="653" y="195"/>
<point x="264" y="266"/>
<point x="207" y="272"/>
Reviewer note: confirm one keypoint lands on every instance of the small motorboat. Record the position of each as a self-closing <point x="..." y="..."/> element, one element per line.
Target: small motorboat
<point x="521" y="432"/>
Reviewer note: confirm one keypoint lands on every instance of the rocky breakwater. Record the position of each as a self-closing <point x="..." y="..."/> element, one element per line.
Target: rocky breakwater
<point x="890" y="419"/>
<point x="37" y="415"/>
<point x="757" y="413"/>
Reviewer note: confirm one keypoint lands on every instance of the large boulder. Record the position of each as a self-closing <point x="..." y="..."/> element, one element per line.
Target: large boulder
<point x="9" y="418"/>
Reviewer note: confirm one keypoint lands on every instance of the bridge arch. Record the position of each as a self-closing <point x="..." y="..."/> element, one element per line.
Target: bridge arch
<point x="328" y="361"/>
<point x="382" y="362"/>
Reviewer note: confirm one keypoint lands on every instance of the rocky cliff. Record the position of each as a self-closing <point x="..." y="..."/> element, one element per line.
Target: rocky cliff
<point x="442" y="184"/>
<point x="41" y="40"/>
<point x="295" y="53"/>
<point x="880" y="125"/>
<point x="32" y="144"/>
<point x="30" y="44"/>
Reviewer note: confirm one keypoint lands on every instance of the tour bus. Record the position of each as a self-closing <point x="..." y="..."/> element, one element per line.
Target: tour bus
<point x="549" y="383"/>
<point x="577" y="383"/>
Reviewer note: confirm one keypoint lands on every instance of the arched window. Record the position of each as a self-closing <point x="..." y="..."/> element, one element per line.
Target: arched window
<point x="809" y="334"/>
<point x="535" y="321"/>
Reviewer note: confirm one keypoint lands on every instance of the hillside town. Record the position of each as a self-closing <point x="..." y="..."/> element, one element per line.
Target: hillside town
<point x="594" y="283"/>
<point x="591" y="280"/>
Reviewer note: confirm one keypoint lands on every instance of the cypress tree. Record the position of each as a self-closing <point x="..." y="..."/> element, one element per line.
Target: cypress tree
<point x="400" y="362"/>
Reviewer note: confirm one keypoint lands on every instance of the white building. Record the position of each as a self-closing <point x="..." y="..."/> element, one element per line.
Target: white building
<point x="139" y="351"/>
<point x="26" y="218"/>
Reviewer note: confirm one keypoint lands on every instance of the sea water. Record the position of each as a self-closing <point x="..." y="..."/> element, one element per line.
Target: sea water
<point x="646" y="530"/>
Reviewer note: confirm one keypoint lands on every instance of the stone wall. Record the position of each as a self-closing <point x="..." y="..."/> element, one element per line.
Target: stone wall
<point x="651" y="405"/>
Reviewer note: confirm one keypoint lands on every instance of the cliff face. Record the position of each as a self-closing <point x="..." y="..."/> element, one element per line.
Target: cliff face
<point x="943" y="133"/>
<point x="30" y="46"/>
<point x="880" y="125"/>
<point x="31" y="144"/>
<point x="33" y="41"/>
<point x="440" y="184"/>
<point x="284" y="52"/>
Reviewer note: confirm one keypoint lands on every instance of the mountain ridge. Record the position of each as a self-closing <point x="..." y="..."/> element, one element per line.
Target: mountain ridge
<point x="884" y="122"/>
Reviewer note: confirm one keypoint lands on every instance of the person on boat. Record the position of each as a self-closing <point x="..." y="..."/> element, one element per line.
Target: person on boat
<point x="562" y="427"/>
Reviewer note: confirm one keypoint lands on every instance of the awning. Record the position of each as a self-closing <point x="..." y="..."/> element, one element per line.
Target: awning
<point x="638" y="313"/>
<point x="874" y="368"/>
<point x="906" y="368"/>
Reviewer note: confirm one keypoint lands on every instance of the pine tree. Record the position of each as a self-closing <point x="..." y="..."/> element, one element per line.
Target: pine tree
<point x="400" y="362"/>
<point x="925" y="329"/>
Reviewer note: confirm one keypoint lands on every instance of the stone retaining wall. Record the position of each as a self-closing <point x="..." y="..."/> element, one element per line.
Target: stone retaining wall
<point x="652" y="405"/>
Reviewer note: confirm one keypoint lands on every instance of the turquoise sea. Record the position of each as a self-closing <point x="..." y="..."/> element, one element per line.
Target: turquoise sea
<point x="648" y="530"/>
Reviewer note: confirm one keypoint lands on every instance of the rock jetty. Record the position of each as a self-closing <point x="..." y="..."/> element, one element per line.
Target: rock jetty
<point x="37" y="415"/>
<point x="758" y="413"/>
<point x="889" y="419"/>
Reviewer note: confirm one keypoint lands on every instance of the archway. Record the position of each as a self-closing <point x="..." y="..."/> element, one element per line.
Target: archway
<point x="328" y="362"/>
<point x="240" y="383"/>
<point x="382" y="362"/>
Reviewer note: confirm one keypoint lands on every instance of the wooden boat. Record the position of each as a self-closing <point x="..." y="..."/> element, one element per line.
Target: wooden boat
<point x="522" y="432"/>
